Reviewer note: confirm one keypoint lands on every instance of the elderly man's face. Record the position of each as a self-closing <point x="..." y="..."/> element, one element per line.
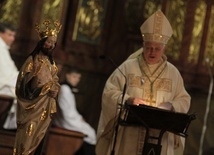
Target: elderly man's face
<point x="153" y="51"/>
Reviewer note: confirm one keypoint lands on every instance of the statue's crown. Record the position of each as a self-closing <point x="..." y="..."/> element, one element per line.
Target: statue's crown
<point x="49" y="30"/>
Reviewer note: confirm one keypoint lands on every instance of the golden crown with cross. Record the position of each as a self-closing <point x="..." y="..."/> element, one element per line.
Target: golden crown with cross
<point x="48" y="31"/>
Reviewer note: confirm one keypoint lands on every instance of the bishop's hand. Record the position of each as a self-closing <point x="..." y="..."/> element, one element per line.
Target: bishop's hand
<point x="135" y="101"/>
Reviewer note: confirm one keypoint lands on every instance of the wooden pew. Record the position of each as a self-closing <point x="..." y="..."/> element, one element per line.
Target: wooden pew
<point x="5" y="105"/>
<point x="62" y="142"/>
<point x="7" y="139"/>
<point x="58" y="142"/>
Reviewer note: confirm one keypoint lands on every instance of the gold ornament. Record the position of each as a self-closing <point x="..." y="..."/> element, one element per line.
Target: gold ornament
<point x="47" y="32"/>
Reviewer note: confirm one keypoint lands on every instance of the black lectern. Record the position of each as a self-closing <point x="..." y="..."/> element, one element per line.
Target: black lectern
<point x="152" y="117"/>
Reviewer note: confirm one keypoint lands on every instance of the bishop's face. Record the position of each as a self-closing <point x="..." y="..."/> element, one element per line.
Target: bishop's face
<point x="153" y="52"/>
<point x="49" y="45"/>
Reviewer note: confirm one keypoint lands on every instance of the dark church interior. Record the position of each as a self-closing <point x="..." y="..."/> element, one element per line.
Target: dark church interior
<point x="111" y="28"/>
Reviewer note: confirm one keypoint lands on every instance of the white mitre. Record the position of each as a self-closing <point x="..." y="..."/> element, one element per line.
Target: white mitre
<point x="156" y="28"/>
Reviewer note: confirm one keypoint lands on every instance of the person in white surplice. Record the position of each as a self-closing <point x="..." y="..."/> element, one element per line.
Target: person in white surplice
<point x="8" y="71"/>
<point x="152" y="81"/>
<point x="68" y="117"/>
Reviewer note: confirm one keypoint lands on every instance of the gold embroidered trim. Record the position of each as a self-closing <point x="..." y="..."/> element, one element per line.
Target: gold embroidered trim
<point x="44" y="115"/>
<point x="30" y="129"/>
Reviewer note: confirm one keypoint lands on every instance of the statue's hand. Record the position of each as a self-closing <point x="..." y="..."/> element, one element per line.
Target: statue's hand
<point x="53" y="93"/>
